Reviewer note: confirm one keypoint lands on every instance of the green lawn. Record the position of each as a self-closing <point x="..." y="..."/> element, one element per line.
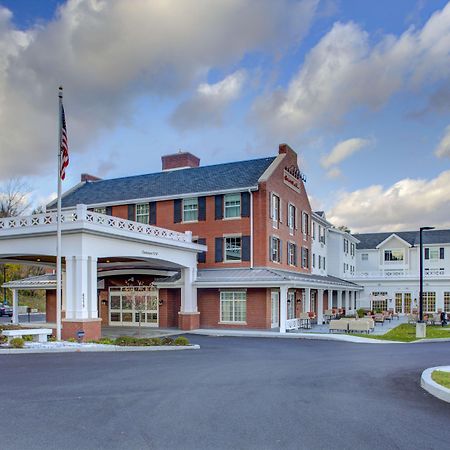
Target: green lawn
<point x="407" y="333"/>
<point x="441" y="377"/>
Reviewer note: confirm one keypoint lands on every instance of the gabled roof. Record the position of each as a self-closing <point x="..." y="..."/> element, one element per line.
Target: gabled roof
<point x="393" y="236"/>
<point x="372" y="240"/>
<point x="196" y="180"/>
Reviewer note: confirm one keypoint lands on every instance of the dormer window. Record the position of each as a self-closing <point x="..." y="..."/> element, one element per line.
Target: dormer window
<point x="393" y="255"/>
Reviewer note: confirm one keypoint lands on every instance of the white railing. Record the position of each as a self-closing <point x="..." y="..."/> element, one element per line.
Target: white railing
<point x="292" y="324"/>
<point x="81" y="214"/>
<point x="398" y="274"/>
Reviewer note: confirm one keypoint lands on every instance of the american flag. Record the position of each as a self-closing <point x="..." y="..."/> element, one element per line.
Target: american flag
<point x="64" y="145"/>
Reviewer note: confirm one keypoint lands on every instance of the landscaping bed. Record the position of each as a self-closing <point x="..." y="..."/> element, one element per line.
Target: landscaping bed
<point x="407" y="333"/>
<point x="441" y="377"/>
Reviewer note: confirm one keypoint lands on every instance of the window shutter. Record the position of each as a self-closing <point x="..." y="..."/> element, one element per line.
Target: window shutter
<point x="109" y="210"/>
<point x="152" y="213"/>
<point x="287" y="251"/>
<point x="427" y="253"/>
<point x="245" y="248"/>
<point x="219" y="249"/>
<point x="270" y="248"/>
<point x="442" y="253"/>
<point x="270" y="204"/>
<point x="202" y="208"/>
<point x="280" y="246"/>
<point x="295" y="218"/>
<point x="177" y="203"/>
<point x="245" y="204"/>
<point x="218" y="203"/>
<point x="131" y="212"/>
<point x="280" y="209"/>
<point x="295" y="254"/>
<point x="201" y="257"/>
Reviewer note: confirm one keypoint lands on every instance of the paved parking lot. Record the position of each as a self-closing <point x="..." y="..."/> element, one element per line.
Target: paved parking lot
<point x="234" y="393"/>
<point x="23" y="318"/>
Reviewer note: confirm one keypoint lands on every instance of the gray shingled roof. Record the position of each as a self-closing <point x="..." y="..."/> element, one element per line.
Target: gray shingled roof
<point x="264" y="275"/>
<point x="219" y="177"/>
<point x="371" y="240"/>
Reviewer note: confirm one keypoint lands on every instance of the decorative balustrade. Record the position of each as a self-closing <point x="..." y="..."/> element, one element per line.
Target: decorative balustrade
<point x="81" y="214"/>
<point x="398" y="274"/>
<point x="292" y="324"/>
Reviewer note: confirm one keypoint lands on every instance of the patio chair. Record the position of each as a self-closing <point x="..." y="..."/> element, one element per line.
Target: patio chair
<point x="412" y="318"/>
<point x="436" y="318"/>
<point x="379" y="318"/>
<point x="394" y="314"/>
<point x="387" y="315"/>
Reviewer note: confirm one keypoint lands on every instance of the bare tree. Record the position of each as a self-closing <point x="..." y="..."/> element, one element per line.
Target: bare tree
<point x="14" y="197"/>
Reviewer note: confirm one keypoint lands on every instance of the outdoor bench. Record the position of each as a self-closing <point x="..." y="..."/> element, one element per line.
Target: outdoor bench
<point x="39" y="334"/>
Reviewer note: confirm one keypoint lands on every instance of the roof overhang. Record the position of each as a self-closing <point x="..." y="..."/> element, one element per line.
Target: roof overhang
<point x="393" y="236"/>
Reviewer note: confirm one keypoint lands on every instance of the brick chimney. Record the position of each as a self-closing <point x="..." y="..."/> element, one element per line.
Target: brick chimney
<point x="88" y="177"/>
<point x="285" y="148"/>
<point x="180" y="160"/>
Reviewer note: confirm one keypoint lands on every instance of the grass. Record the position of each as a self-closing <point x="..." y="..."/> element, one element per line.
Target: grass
<point x="407" y="333"/>
<point x="441" y="377"/>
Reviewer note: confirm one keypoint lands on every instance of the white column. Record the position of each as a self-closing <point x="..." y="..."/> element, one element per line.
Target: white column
<point x="15" y="317"/>
<point x="283" y="308"/>
<point x="350" y="301"/>
<point x="319" y="306"/>
<point x="81" y="287"/>
<point x="330" y="298"/>
<point x="339" y="299"/>
<point x="188" y="291"/>
<point x="307" y="305"/>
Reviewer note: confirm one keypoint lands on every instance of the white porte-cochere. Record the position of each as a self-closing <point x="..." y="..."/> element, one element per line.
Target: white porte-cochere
<point x="88" y="237"/>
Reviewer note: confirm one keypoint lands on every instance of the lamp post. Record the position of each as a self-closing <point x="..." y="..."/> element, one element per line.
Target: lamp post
<point x="421" y="326"/>
<point x="4" y="281"/>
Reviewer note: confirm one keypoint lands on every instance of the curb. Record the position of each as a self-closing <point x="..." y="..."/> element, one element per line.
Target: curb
<point x="106" y="348"/>
<point x="311" y="336"/>
<point x="433" y="388"/>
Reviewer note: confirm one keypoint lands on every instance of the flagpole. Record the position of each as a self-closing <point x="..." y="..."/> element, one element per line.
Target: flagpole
<point x="58" y="227"/>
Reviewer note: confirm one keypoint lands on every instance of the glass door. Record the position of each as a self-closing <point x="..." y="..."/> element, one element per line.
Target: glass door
<point x="275" y="297"/>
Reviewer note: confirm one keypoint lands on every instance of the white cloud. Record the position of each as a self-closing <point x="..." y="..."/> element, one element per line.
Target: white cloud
<point x="346" y="70"/>
<point x="443" y="148"/>
<point x="407" y="204"/>
<point x="108" y="53"/>
<point x="342" y="151"/>
<point x="208" y="104"/>
<point x="334" y="172"/>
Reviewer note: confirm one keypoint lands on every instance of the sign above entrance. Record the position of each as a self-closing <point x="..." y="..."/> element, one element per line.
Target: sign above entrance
<point x="293" y="178"/>
<point x="151" y="253"/>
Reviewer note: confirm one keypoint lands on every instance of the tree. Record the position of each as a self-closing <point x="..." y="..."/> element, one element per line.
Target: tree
<point x="14" y="197"/>
<point x="345" y="229"/>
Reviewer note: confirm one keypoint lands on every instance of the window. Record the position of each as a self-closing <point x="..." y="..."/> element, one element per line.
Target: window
<point x="380" y="302"/>
<point x="434" y="253"/>
<point x="393" y="255"/>
<point x="447" y="301"/>
<point x="291" y="305"/>
<point x="190" y="209"/>
<point x="314" y="260"/>
<point x="232" y="204"/>
<point x="142" y="213"/>
<point x="99" y="210"/>
<point x="305" y="258"/>
<point x="324" y="263"/>
<point x="364" y="256"/>
<point x="291" y="218"/>
<point x="322" y="231"/>
<point x="233" y="306"/>
<point x="429" y="301"/>
<point x="305" y="223"/>
<point x="345" y="246"/>
<point x="292" y="257"/>
<point x="233" y="249"/>
<point x="320" y="262"/>
<point x="275" y="249"/>
<point x="352" y="249"/>
<point x="275" y="210"/>
<point x="314" y="230"/>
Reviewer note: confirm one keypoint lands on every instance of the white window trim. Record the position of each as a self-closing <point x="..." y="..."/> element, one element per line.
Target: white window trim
<point x="136" y="215"/>
<point x="225" y="207"/>
<point x="272" y="237"/>
<point x="230" y="322"/>
<point x="182" y="210"/>
<point x="290" y="245"/>
<point x="275" y="221"/>
<point x="225" y="260"/>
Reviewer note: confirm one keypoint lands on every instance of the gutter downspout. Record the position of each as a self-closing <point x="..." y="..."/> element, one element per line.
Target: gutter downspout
<point x="251" y="228"/>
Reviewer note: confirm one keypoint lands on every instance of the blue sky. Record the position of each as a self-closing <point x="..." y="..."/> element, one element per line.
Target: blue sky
<point x="359" y="89"/>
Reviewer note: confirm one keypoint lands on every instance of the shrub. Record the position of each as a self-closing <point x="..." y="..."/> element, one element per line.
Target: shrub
<point x="105" y="341"/>
<point x="361" y="312"/>
<point x="17" y="342"/>
<point x="156" y="341"/>
<point x="52" y="339"/>
<point x="28" y="338"/>
<point x="181" y="340"/>
<point x="3" y="339"/>
<point x="125" y="340"/>
<point x="72" y="340"/>
<point x="167" y="341"/>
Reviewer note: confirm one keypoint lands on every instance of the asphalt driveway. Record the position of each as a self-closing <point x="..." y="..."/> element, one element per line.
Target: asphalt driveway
<point x="234" y="393"/>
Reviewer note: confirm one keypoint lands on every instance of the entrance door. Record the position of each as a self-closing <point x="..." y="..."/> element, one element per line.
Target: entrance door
<point x="275" y="296"/>
<point x="129" y="305"/>
<point x="403" y="302"/>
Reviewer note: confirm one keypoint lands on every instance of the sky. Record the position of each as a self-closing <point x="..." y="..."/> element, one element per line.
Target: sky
<point x="360" y="89"/>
